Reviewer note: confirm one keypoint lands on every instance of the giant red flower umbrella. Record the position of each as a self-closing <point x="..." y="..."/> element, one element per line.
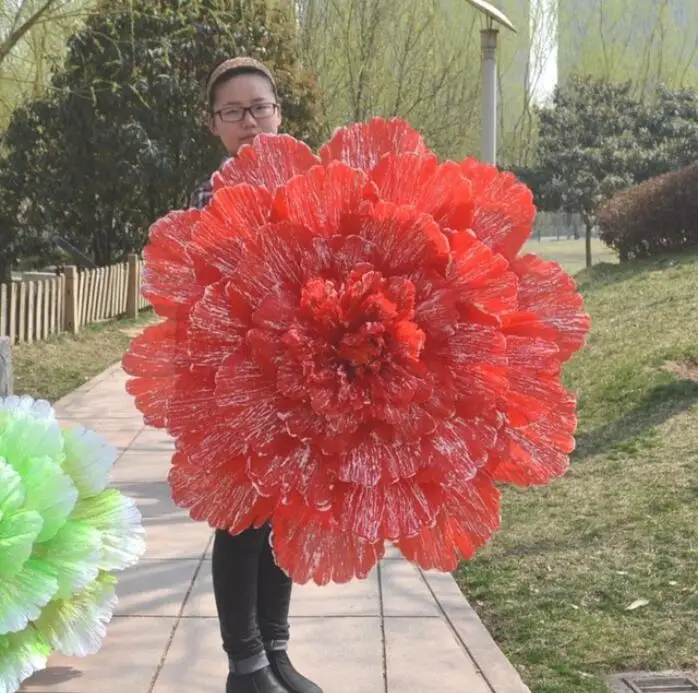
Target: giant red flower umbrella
<point x="353" y="348"/>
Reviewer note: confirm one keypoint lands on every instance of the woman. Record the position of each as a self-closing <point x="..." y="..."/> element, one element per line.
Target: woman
<point x="252" y="594"/>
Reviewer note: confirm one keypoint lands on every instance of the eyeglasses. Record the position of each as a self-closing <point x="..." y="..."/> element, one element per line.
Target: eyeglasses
<point x="235" y="114"/>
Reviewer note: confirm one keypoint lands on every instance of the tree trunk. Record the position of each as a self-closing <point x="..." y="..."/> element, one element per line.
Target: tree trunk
<point x="589" y="227"/>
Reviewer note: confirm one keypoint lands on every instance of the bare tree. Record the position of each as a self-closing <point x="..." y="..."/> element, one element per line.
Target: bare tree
<point x="649" y="43"/>
<point x="417" y="59"/>
<point x="536" y="47"/>
<point x="32" y="35"/>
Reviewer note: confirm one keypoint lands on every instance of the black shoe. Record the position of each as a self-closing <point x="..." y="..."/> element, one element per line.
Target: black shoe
<point x="289" y="677"/>
<point x="262" y="681"/>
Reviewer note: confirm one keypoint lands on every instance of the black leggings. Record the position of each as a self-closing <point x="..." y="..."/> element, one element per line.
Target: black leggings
<point x="252" y="593"/>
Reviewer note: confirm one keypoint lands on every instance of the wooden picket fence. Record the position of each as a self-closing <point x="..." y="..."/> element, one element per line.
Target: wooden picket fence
<point x="32" y="311"/>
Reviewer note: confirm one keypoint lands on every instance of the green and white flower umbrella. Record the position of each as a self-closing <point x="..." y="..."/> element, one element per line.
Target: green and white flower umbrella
<point x="63" y="534"/>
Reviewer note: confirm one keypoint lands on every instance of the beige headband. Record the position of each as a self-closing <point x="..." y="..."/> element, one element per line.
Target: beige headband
<point x="235" y="64"/>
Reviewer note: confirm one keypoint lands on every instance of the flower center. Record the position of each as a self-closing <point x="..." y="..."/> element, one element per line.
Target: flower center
<point x="363" y="348"/>
<point x="365" y="321"/>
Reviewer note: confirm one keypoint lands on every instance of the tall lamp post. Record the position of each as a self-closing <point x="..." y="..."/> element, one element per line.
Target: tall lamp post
<point x="493" y="18"/>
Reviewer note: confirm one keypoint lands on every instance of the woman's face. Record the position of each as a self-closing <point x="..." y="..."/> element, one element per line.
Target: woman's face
<point x="234" y="98"/>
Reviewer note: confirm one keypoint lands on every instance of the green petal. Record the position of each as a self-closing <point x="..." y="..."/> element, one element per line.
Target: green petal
<point x="11" y="489"/>
<point x="18" y="532"/>
<point x="75" y="553"/>
<point x="49" y="491"/>
<point x="76" y="627"/>
<point x="28" y="429"/>
<point x="26" y="405"/>
<point x="21" y="655"/>
<point x="89" y="460"/>
<point x="120" y="524"/>
<point x="23" y="596"/>
<point x="18" y="528"/>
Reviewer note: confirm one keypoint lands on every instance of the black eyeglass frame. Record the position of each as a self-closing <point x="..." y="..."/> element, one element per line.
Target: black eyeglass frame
<point x="245" y="110"/>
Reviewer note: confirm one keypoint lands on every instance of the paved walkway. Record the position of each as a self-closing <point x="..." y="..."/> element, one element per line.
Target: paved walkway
<point x="401" y="631"/>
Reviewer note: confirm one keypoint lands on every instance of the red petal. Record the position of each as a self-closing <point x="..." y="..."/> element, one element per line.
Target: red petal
<point x="309" y="545"/>
<point x="459" y="448"/>
<point x="211" y="443"/>
<point x="215" y="330"/>
<point x="303" y="423"/>
<point x="548" y="291"/>
<point x="537" y="453"/>
<point x="269" y="162"/>
<point x="404" y="239"/>
<point x="533" y="355"/>
<point x="435" y="307"/>
<point x="266" y="349"/>
<point x="439" y="190"/>
<point x="530" y="397"/>
<point x="253" y="403"/>
<point x="341" y="432"/>
<point x="416" y="423"/>
<point x="387" y="511"/>
<point x="362" y="145"/>
<point x="233" y="216"/>
<point x="371" y="461"/>
<point x="281" y="259"/>
<point x="464" y="524"/>
<point x="155" y="358"/>
<point x="276" y="312"/>
<point x="400" y="384"/>
<point x="409" y="507"/>
<point x="169" y="280"/>
<point x="292" y="381"/>
<point x="504" y="211"/>
<point x="473" y="359"/>
<point x="281" y="471"/>
<point x="534" y="380"/>
<point x="293" y="472"/>
<point x="480" y="277"/>
<point x="225" y="499"/>
<point x="191" y="407"/>
<point x="320" y="198"/>
<point x="339" y="256"/>
<point x="360" y="511"/>
<point x="520" y="324"/>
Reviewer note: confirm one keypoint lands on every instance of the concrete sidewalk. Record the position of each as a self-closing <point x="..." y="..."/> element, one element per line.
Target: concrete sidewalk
<point x="400" y="631"/>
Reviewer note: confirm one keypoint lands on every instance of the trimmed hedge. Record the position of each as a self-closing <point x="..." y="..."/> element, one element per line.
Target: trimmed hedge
<point x="655" y="217"/>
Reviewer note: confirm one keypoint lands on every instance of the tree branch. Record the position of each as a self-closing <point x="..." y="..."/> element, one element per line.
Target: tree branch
<point x="19" y="31"/>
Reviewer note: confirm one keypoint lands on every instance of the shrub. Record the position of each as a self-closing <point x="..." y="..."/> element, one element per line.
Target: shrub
<point x="655" y="217"/>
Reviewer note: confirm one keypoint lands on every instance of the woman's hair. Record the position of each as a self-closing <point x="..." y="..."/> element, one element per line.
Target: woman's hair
<point x="232" y="68"/>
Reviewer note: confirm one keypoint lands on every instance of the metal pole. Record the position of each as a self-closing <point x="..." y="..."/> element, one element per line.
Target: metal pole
<point x="489" y="95"/>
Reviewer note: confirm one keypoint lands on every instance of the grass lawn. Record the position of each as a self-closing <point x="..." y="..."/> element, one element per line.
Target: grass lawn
<point x="556" y="584"/>
<point x="571" y="254"/>
<point x="53" y="368"/>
